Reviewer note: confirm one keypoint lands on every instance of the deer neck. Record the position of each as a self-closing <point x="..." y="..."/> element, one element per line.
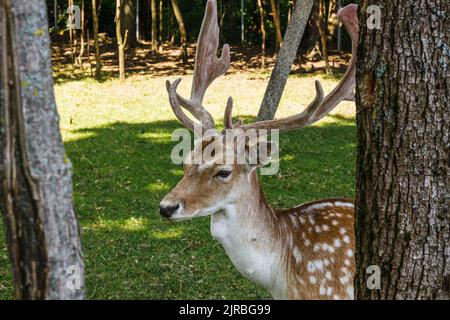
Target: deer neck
<point x="247" y="230"/>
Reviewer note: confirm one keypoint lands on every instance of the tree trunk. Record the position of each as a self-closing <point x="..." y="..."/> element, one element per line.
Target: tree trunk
<point x="154" y="27"/>
<point x="36" y="183"/>
<point x="98" y="64"/>
<point x="128" y="22"/>
<point x="161" y="16"/>
<point x="80" y="55"/>
<point x="323" y="22"/>
<point x="71" y="40"/>
<point x="285" y="59"/>
<point x="263" y="33"/>
<point x="403" y="117"/>
<point x="182" y="28"/>
<point x="121" y="40"/>
<point x="276" y="20"/>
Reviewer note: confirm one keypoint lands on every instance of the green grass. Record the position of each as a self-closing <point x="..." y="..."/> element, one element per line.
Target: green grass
<point x="118" y="138"/>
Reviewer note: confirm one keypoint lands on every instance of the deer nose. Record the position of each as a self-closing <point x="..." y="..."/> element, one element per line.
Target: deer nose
<point x="168" y="210"/>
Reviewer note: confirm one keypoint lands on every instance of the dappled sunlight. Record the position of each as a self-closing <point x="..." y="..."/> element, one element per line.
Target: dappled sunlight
<point x="169" y="233"/>
<point x="138" y="224"/>
<point x="158" y="186"/>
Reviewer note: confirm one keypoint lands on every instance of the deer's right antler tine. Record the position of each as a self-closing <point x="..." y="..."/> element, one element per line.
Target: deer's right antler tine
<point x="321" y="106"/>
<point x="207" y="68"/>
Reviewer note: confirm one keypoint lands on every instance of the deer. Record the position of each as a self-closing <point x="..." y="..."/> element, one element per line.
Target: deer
<point x="305" y="252"/>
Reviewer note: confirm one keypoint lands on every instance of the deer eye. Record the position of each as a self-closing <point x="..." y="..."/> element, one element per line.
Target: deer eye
<point x="223" y="174"/>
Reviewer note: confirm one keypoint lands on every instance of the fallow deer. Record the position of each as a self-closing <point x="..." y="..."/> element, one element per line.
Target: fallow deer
<point x="305" y="252"/>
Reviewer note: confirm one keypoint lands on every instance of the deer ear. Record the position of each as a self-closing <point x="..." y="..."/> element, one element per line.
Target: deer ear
<point x="260" y="153"/>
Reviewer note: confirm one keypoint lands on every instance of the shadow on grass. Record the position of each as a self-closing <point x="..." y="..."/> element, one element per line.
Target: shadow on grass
<point x="123" y="170"/>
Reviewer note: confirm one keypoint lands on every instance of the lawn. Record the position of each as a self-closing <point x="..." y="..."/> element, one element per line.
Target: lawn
<point x="117" y="135"/>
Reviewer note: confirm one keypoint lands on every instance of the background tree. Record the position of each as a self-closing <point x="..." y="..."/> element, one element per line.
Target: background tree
<point x="154" y="26"/>
<point x="262" y="15"/>
<point x="98" y="65"/>
<point x="161" y="24"/>
<point x="82" y="31"/>
<point x="323" y="23"/>
<point x="403" y="117"/>
<point x="121" y="39"/>
<point x="36" y="182"/>
<point x="285" y="59"/>
<point x="276" y="20"/>
<point x="128" y="22"/>
<point x="182" y="29"/>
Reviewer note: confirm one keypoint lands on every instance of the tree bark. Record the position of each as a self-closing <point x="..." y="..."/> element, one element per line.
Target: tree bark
<point x="403" y="117"/>
<point x="182" y="28"/>
<point x="121" y="40"/>
<point x="285" y="59"/>
<point x="263" y="32"/>
<point x="98" y="64"/>
<point x="276" y="21"/>
<point x="36" y="183"/>
<point x="154" y="26"/>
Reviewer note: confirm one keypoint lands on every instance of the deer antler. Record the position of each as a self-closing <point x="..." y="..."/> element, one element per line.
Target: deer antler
<point x="319" y="107"/>
<point x="207" y="68"/>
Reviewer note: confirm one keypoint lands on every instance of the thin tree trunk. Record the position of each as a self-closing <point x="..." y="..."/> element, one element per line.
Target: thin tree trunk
<point x="182" y="28"/>
<point x="161" y="16"/>
<point x="121" y="40"/>
<point x="285" y="59"/>
<point x="276" y="20"/>
<point x="154" y="26"/>
<point x="80" y="55"/>
<point x="98" y="63"/>
<point x="71" y="40"/>
<point x="403" y="118"/>
<point x="263" y="33"/>
<point x="42" y="230"/>
<point x="323" y="18"/>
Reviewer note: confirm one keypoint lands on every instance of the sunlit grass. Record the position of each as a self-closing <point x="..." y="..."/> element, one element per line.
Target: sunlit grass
<point x="117" y="134"/>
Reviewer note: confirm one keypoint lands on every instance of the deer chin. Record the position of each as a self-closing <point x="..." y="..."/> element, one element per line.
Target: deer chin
<point x="181" y="215"/>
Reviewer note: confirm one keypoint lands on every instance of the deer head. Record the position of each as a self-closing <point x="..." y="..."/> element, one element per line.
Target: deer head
<point x="209" y="186"/>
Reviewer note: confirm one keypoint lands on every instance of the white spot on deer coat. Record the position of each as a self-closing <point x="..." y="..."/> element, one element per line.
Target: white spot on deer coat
<point x="337" y="243"/>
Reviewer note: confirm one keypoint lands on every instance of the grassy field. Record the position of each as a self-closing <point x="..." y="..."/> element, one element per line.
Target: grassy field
<point x="118" y="138"/>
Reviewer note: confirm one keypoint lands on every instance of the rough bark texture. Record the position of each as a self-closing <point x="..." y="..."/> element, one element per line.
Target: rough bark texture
<point x="285" y="59"/>
<point x="36" y="183"/>
<point x="403" y="116"/>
